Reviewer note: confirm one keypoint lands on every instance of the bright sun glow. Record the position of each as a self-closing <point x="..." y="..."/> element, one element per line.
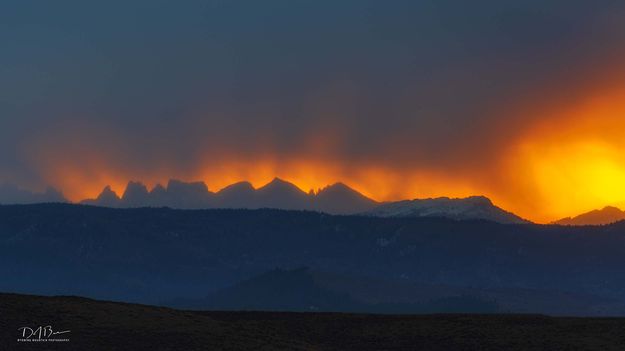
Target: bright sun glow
<point x="575" y="178"/>
<point x="571" y="162"/>
<point x="576" y="161"/>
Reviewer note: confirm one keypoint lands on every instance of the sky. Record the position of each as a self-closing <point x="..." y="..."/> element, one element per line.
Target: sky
<point x="520" y="101"/>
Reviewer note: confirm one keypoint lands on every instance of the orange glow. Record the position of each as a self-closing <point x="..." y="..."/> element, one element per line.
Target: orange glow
<point x="558" y="159"/>
<point x="381" y="184"/>
<point x="573" y="162"/>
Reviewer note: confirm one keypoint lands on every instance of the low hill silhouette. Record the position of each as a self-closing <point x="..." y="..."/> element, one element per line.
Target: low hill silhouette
<point x="305" y="289"/>
<point x="607" y="215"/>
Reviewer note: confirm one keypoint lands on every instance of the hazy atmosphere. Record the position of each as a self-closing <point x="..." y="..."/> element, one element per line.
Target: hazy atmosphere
<point x="313" y="174"/>
<point x="518" y="101"/>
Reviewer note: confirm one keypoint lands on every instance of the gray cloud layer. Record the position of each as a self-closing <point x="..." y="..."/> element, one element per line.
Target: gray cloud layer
<point x="164" y="85"/>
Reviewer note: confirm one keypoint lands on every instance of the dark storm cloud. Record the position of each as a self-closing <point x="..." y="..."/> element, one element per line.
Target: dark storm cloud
<point x="166" y="84"/>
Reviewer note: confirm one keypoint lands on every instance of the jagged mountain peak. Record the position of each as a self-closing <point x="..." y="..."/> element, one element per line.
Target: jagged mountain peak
<point x="279" y="184"/>
<point x="340" y="198"/>
<point x="179" y="185"/>
<point x="135" y="184"/>
<point x="136" y="194"/>
<point x="108" y="193"/>
<point x="237" y="195"/>
<point x="337" y="198"/>
<point x="238" y="186"/>
<point x="135" y="188"/>
<point x="158" y="188"/>
<point x="107" y="198"/>
<point x="282" y="194"/>
<point x="338" y="186"/>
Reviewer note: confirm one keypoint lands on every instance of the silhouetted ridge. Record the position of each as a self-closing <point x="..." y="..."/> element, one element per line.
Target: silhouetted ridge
<point x="276" y="290"/>
<point x="236" y="188"/>
<point x="281" y="194"/>
<point x="607" y="215"/>
<point x="12" y="194"/>
<point x="158" y="196"/>
<point x="304" y="289"/>
<point x="474" y="207"/>
<point x="158" y="254"/>
<point x="341" y="199"/>
<point x="136" y="195"/>
<point x="107" y="198"/>
<point x="337" y="198"/>
<point x="188" y="195"/>
<point x="237" y="195"/>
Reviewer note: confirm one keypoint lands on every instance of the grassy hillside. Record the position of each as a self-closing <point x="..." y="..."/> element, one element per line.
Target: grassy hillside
<point x="99" y="325"/>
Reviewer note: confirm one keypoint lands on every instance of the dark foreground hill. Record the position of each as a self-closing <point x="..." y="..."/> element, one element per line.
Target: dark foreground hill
<point x="98" y="325"/>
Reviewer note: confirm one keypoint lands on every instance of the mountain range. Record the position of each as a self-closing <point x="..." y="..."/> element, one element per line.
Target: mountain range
<point x="334" y="199"/>
<point x="227" y="258"/>
<point x="279" y="194"/>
